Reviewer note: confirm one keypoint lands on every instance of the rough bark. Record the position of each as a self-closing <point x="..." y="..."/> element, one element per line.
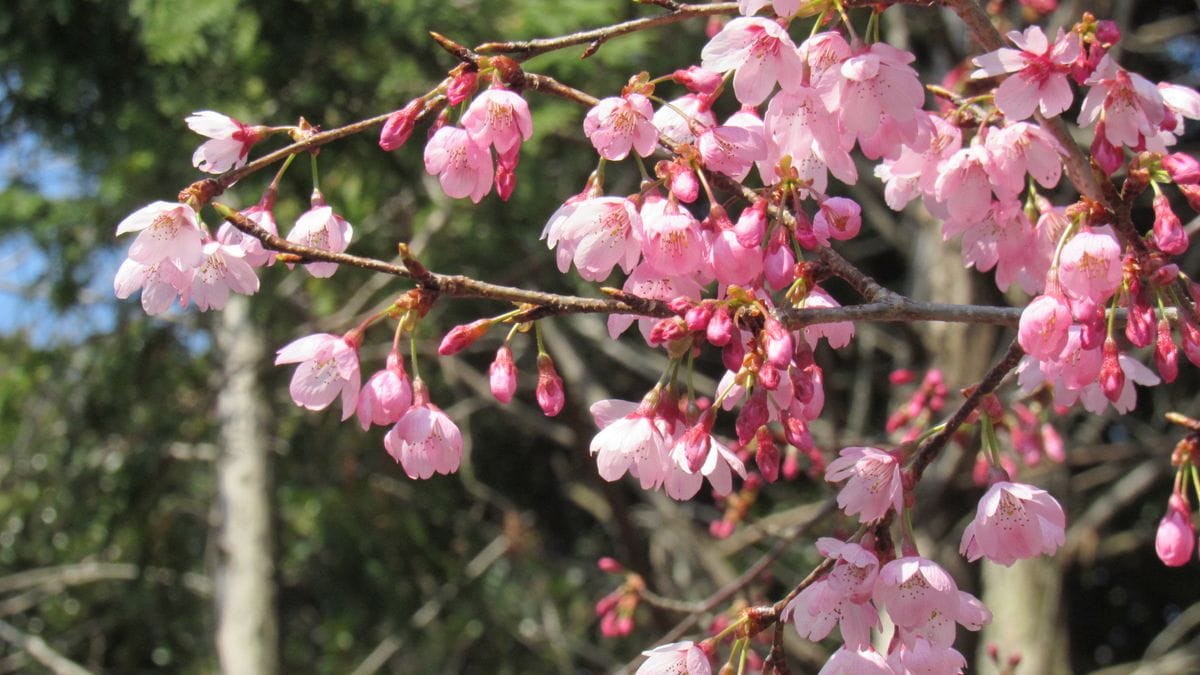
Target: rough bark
<point x="247" y="634"/>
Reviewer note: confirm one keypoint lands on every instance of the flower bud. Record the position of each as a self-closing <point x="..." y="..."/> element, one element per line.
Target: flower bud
<point x="1166" y="354"/>
<point x="767" y="457"/>
<point x="751" y="226"/>
<point x="1139" y="325"/>
<point x="698" y="80"/>
<point x="462" y="87"/>
<point x="1190" y="333"/>
<point x="768" y="376"/>
<point x="777" y="343"/>
<point x="1107" y="32"/>
<point x="399" y="125"/>
<point x="1183" y="168"/>
<point x="1176" y="538"/>
<point x="732" y="354"/>
<point x="502" y="375"/>
<point x="1112" y="376"/>
<point x="753" y="415"/>
<point x="1106" y="155"/>
<point x="697" y="442"/>
<point x="549" y="391"/>
<point x="1192" y="194"/>
<point x="1169" y="235"/>
<point x="610" y="565"/>
<point x="697" y="318"/>
<point x="463" y="336"/>
<point x="720" y="328"/>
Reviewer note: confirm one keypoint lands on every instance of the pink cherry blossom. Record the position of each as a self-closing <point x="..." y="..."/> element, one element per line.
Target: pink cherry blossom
<point x="671" y="239"/>
<point x="230" y="141"/>
<point x="761" y="52"/>
<point x="873" y="485"/>
<point x="425" y="441"/>
<point x="1129" y="105"/>
<point x="261" y="214"/>
<point x="386" y="395"/>
<point x="798" y="125"/>
<point x="782" y="8"/>
<point x="320" y="227"/>
<point x="924" y="657"/>
<point x="1020" y="149"/>
<point x="718" y="464"/>
<point x="648" y="282"/>
<point x="1178" y="102"/>
<point x="1044" y="326"/>
<point x="224" y="270"/>
<point x="1090" y="265"/>
<point x="498" y="117"/>
<point x="160" y="283"/>
<point x="1176" y="538"/>
<point x="877" y="96"/>
<point x="165" y="230"/>
<point x="915" y="171"/>
<point x="940" y="627"/>
<point x="328" y="369"/>
<point x="1014" y="521"/>
<point x="842" y="597"/>
<point x="676" y="119"/>
<point x="463" y="166"/>
<point x="837" y="218"/>
<point x="631" y="439"/>
<point x="735" y="146"/>
<point x="677" y="658"/>
<point x="1040" y="73"/>
<point x="617" y="124"/>
<point x="734" y="263"/>
<point x="596" y="234"/>
<point x="964" y="185"/>
<point x="837" y="333"/>
<point x="848" y="661"/>
<point x="914" y="590"/>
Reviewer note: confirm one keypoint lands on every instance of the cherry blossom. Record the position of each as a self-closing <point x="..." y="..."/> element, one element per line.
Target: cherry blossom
<point x="616" y="125"/>
<point x="230" y="141"/>
<point x="261" y="214"/>
<point x="320" y="227"/>
<point x="759" y="50"/>
<point x="1090" y="265"/>
<point x="502" y="375"/>
<point x="847" y="661"/>
<point x="463" y="166"/>
<point x="670" y="237"/>
<point x="877" y="96"/>
<point x="1129" y="105"/>
<point x="718" y="465"/>
<point x="1014" y="522"/>
<point x="873" y="485"/>
<point x="648" y="282"/>
<point x="632" y="438"/>
<point x="677" y="658"/>
<point x="497" y="117"/>
<point x="165" y="230"/>
<point x="1040" y="71"/>
<point x="596" y="234"/>
<point x="425" y="441"/>
<point x="914" y="589"/>
<point x="224" y="269"/>
<point x="1176" y="538"/>
<point x="675" y="120"/>
<point x="160" y="283"/>
<point x="1044" y="327"/>
<point x="328" y="369"/>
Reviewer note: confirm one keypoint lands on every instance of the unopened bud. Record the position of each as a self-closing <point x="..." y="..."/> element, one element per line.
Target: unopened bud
<point x="399" y="125"/>
<point x="698" y="80"/>
<point x="1169" y="235"/>
<point x="1166" y="354"/>
<point x="549" y="393"/>
<point x="463" y="336"/>
<point x="609" y="565"/>
<point x="720" y="330"/>
<point x="767" y="457"/>
<point x="1112" y="376"/>
<point x="462" y="87"/>
<point x="502" y="375"/>
<point x="1182" y="167"/>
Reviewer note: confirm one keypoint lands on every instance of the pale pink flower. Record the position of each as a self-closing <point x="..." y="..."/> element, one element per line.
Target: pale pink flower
<point x="160" y="283"/>
<point x="1178" y="102"/>
<point x="386" y="395"/>
<point x="1040" y="72"/>
<point x="1095" y="399"/>
<point x="1090" y="265"/>
<point x="224" y="270"/>
<point x="165" y="230"/>
<point x="798" y="125"/>
<point x="1129" y="105"/>
<point x="260" y="214"/>
<point x="698" y="80"/>
<point x="824" y="51"/>
<point x="841" y="597"/>
<point x="964" y="186"/>
<point x="837" y="218"/>
<point x="915" y="171"/>
<point x="1014" y="521"/>
<point x="1176" y="538"/>
<point x="1044" y="327"/>
<point x="425" y="441"/>
<point x="321" y="228"/>
<point x="230" y="141"/>
<point x="677" y="658"/>
<point x="864" y="661"/>
<point x="873" y="485"/>
<point x="648" y="282"/>
<point x="914" y="590"/>
<point x="596" y="234"/>
<point x="675" y="120"/>
<point x="500" y="118"/>
<point x="463" y="166"/>
<point x="617" y="124"/>
<point x="718" y="465"/>
<point x="924" y="657"/>
<point x="671" y="239"/>
<point x="782" y="8"/>
<point x="733" y="262"/>
<point x="875" y="88"/>
<point x="328" y="369"/>
<point x="632" y="439"/>
<point x="940" y="626"/>
<point x="735" y="146"/>
<point x="837" y="333"/>
<point x="761" y="52"/>
<point x="1020" y="149"/>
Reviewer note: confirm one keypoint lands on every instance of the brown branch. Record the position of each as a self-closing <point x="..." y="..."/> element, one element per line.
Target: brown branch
<point x="525" y="49"/>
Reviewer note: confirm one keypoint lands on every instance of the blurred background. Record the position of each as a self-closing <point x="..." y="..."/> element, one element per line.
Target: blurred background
<point x="165" y="508"/>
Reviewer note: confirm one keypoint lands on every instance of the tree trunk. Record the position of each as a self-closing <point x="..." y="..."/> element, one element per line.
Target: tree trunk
<point x="247" y="634"/>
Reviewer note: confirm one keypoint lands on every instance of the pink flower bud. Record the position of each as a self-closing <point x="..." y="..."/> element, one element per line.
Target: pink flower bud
<point x="399" y="125"/>
<point x="681" y="180"/>
<point x="753" y="415"/>
<point x="721" y="529"/>
<point x="1041" y="6"/>
<point x="1183" y="168"/>
<point x="1166" y="354"/>
<point x="1108" y="157"/>
<point x="698" y="80"/>
<point x="732" y="354"/>
<point x="1192" y="194"/>
<point x="1044" y="327"/>
<point x="767" y="457"/>
<point x="768" y="376"/>
<point x="837" y="218"/>
<point x="667" y="330"/>
<point x="777" y="343"/>
<point x="697" y="441"/>
<point x="680" y="305"/>
<point x="697" y="318"/>
<point x="720" y="329"/>
<point x="609" y="565"/>
<point x="1190" y="333"/>
<point x="803" y="386"/>
<point x="1169" y="235"/>
<point x="1107" y="32"/>
<point x="502" y="375"/>
<point x="1176" y="538"/>
<point x="796" y="433"/>
<point x="1112" y="376"/>
<point x="779" y="265"/>
<point x="386" y="396"/>
<point x="1139" y="326"/>
<point x="902" y="376"/>
<point x="549" y="391"/>
<point x="751" y="226"/>
<point x="791" y="465"/>
<point x="463" y="336"/>
<point x="462" y="87"/>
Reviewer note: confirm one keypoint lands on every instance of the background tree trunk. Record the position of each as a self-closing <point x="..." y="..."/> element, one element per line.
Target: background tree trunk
<point x="247" y="634"/>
